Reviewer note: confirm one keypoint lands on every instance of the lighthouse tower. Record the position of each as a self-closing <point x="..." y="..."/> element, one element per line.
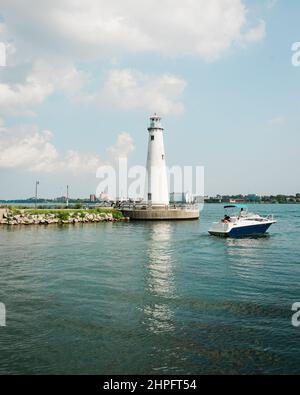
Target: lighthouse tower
<point x="156" y="185"/>
<point x="157" y="182"/>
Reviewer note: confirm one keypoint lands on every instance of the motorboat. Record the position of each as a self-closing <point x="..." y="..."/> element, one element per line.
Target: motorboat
<point x="241" y="224"/>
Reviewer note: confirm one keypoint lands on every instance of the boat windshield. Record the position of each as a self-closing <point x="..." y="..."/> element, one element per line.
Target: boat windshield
<point x="239" y="206"/>
<point x="234" y="212"/>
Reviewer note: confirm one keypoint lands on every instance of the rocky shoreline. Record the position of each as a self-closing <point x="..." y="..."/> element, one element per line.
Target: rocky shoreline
<point x="60" y="218"/>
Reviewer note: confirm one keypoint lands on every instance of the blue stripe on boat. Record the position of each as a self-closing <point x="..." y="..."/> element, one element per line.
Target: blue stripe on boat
<point x="249" y="230"/>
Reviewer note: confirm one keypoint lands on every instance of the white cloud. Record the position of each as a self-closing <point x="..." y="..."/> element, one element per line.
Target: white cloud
<point x="25" y="147"/>
<point x="54" y="36"/>
<point x="93" y="28"/>
<point x="16" y="99"/>
<point x="123" y="89"/>
<point x="123" y="147"/>
<point x="255" y="34"/>
<point x="44" y="79"/>
<point x="127" y="89"/>
<point x="61" y="75"/>
<point x="81" y="163"/>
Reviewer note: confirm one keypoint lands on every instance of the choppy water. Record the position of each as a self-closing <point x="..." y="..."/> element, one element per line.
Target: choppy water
<point x="150" y="298"/>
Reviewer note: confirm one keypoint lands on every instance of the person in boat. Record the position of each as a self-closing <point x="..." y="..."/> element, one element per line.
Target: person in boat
<point x="242" y="212"/>
<point x="226" y="219"/>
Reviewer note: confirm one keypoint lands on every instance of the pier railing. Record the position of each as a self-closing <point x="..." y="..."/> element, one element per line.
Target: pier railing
<point x="148" y="206"/>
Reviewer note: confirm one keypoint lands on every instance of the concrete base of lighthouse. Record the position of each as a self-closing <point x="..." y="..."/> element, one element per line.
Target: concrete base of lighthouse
<point x="161" y="213"/>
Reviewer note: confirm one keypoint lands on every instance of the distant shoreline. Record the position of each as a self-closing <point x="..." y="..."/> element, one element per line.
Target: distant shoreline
<point x="258" y="203"/>
<point x="53" y="206"/>
<point x="77" y="203"/>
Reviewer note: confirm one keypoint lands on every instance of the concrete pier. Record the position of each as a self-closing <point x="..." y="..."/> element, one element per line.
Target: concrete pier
<point x="155" y="213"/>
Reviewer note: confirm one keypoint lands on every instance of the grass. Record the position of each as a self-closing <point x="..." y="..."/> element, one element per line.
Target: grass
<point x="14" y="210"/>
<point x="64" y="214"/>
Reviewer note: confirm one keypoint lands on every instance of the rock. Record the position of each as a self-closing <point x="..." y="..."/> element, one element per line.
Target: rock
<point x="47" y="219"/>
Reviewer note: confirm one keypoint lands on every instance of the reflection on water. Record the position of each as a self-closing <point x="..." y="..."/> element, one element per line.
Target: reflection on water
<point x="159" y="278"/>
<point x="247" y="242"/>
<point x="245" y="254"/>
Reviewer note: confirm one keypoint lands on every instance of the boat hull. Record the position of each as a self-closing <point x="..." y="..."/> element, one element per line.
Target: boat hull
<point x="242" y="231"/>
<point x="249" y="230"/>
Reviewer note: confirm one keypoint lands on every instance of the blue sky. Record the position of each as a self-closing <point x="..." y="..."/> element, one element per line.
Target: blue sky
<point x="81" y="81"/>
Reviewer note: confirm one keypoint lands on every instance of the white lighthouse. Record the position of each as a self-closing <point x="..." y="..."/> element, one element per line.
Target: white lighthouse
<point x="156" y="185"/>
<point x="157" y="181"/>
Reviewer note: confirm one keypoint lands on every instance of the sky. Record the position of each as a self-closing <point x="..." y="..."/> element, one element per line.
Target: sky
<point x="81" y="79"/>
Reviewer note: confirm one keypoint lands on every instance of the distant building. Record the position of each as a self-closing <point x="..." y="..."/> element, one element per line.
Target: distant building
<point x="236" y="200"/>
<point x="103" y="196"/>
<point x="93" y="198"/>
<point x="61" y="199"/>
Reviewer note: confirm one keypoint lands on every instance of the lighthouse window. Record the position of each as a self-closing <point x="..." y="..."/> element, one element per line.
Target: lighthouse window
<point x="152" y="138"/>
<point x="163" y="157"/>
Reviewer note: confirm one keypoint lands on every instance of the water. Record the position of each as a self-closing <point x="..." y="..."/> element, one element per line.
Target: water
<point x="150" y="298"/>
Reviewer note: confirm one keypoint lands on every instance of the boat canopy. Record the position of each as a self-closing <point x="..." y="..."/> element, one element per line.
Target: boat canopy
<point x="240" y="206"/>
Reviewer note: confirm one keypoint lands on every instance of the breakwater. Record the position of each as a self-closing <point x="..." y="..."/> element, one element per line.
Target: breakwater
<point x="43" y="217"/>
